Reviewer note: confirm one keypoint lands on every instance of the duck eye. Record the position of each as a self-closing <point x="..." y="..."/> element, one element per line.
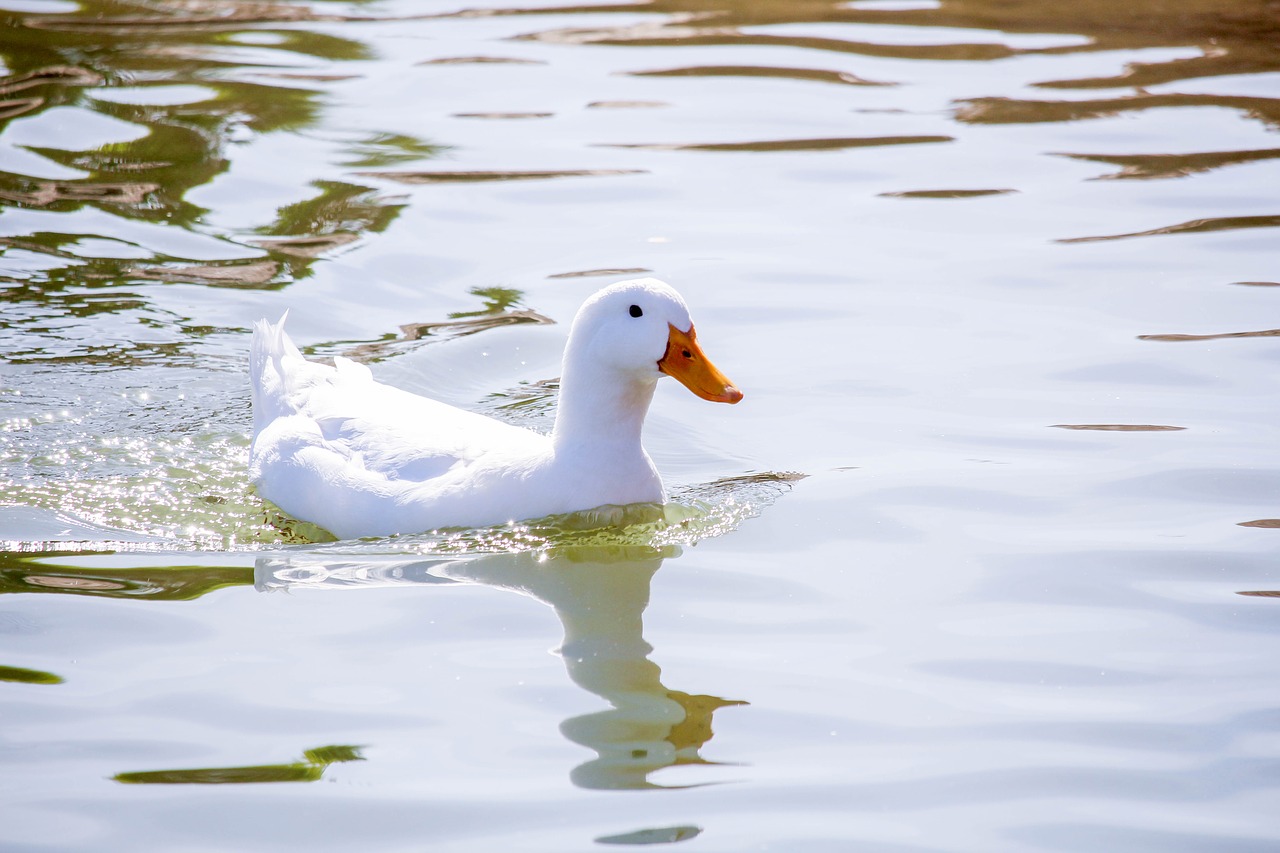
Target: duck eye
<point x="636" y="312"/>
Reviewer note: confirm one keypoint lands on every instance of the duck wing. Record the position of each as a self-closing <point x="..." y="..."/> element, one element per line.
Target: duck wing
<point x="404" y="436"/>
<point x="333" y="442"/>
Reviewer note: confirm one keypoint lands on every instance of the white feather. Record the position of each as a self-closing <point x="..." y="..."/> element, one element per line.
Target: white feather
<point x="334" y="447"/>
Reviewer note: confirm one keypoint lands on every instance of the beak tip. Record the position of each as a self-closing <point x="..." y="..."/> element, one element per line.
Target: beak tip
<point x="732" y="395"/>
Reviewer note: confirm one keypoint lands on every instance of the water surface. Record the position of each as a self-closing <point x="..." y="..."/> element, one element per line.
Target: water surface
<point x="986" y="560"/>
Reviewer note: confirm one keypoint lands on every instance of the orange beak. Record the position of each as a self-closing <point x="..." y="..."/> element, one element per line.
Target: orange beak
<point x="685" y="361"/>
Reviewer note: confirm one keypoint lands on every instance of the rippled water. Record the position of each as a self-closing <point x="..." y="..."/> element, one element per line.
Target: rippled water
<point x="986" y="560"/>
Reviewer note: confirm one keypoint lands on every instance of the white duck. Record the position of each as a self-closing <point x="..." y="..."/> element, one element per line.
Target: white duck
<point x="334" y="447"/>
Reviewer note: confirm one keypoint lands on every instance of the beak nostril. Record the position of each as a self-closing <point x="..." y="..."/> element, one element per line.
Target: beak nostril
<point x="685" y="360"/>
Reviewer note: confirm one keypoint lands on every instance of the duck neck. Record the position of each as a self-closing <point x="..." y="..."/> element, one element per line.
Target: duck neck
<point x="598" y="408"/>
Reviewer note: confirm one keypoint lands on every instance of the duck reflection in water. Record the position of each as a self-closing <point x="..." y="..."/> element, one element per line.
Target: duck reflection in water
<point x="599" y="593"/>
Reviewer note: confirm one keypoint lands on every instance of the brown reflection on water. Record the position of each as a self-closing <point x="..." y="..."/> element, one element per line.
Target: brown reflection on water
<point x="1015" y="111"/>
<point x="417" y="331"/>
<point x="1195" y="226"/>
<point x="1120" y="427"/>
<point x="28" y="192"/>
<point x="612" y="271"/>
<point x="62" y="75"/>
<point x="189" y="14"/>
<point x="1233" y="38"/>
<point x="16" y="107"/>
<point x="1265" y="333"/>
<point x="307" y="247"/>
<point x="816" y="75"/>
<point x="946" y="193"/>
<point x="504" y="115"/>
<point x="317" y="78"/>
<point x="1149" y="166"/>
<point x="481" y="60"/>
<point x="63" y="582"/>
<point x="57" y="75"/>
<point x="55" y="60"/>
<point x="831" y="144"/>
<point x="627" y="105"/>
<point x="1269" y="523"/>
<point x="252" y="274"/>
<point x="435" y="177"/>
<point x="673" y="35"/>
<point x="1237" y="37"/>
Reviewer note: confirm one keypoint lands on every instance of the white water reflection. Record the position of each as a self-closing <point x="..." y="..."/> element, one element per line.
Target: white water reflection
<point x="599" y="594"/>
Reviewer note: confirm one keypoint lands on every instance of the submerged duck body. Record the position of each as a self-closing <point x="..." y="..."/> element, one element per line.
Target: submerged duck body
<point x="334" y="447"/>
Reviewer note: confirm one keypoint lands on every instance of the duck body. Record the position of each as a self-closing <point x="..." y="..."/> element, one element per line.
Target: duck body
<point x="334" y="447"/>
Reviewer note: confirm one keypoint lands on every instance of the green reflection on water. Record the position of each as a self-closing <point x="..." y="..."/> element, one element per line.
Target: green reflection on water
<point x="656" y="835"/>
<point x="339" y="207"/>
<point x="161" y="583"/>
<point x="496" y="301"/>
<point x="310" y="769"/>
<point x="28" y="676"/>
<point x="165" y="93"/>
<point x="499" y="309"/>
<point x="386" y="149"/>
<point x="694" y="514"/>
<point x="185" y="144"/>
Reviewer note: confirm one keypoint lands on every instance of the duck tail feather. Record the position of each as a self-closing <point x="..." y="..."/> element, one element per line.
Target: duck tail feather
<point x="270" y="346"/>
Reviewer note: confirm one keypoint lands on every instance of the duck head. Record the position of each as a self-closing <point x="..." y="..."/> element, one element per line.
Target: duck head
<point x="642" y="329"/>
